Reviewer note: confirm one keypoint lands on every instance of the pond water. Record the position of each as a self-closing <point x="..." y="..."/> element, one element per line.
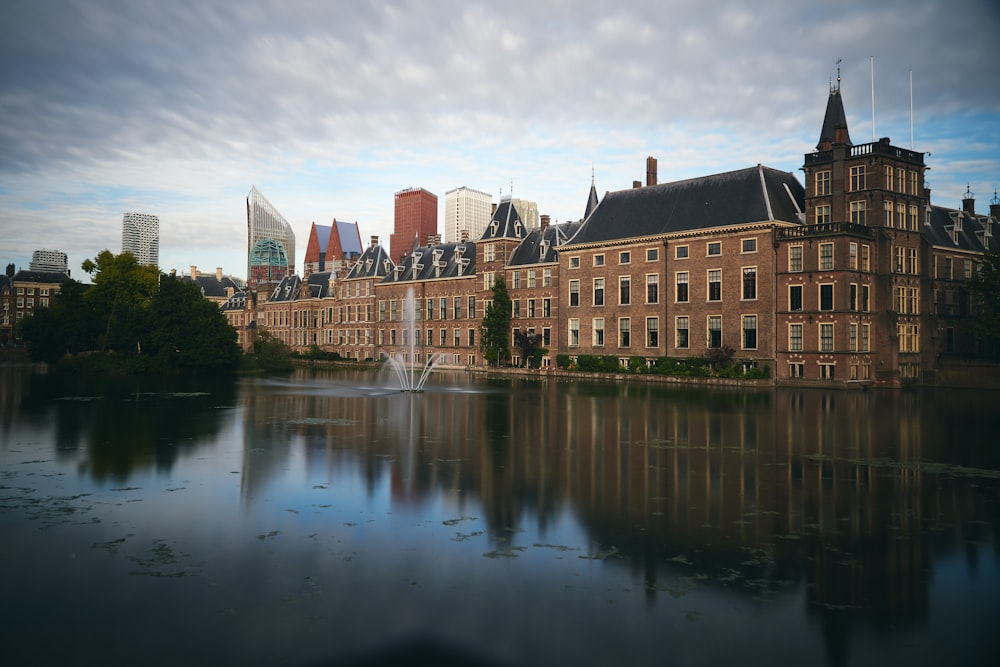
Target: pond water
<point x="327" y="519"/>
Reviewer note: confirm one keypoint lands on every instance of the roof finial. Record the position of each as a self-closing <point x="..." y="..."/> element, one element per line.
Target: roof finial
<point x="836" y="89"/>
<point x="968" y="191"/>
<point x="996" y="199"/>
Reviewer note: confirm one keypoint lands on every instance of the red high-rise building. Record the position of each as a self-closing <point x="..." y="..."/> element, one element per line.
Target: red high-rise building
<point x="416" y="218"/>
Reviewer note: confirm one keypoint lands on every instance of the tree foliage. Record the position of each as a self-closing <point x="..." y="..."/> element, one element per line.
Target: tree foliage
<point x="134" y="313"/>
<point x="985" y="288"/>
<point x="495" y="339"/>
<point x="529" y="344"/>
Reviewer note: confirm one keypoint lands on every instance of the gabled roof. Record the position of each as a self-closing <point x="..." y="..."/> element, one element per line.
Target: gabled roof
<point x="835" y="118"/>
<point x="322" y="235"/>
<point x="212" y="287"/>
<point x="373" y="263"/>
<point x="444" y="260"/>
<point x="506" y="223"/>
<point x="975" y="232"/>
<point x="592" y="201"/>
<point x="237" y="301"/>
<point x="28" y="276"/>
<point x="541" y="245"/>
<point x="319" y="284"/>
<point x="746" y="196"/>
<point x="350" y="237"/>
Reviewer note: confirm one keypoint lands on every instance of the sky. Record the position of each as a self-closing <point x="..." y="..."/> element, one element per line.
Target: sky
<point x="330" y="108"/>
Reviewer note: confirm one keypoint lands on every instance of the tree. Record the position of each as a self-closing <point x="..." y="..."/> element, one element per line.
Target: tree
<point x="495" y="339"/>
<point x="64" y="328"/>
<point x="184" y="330"/>
<point x="122" y="291"/>
<point x="529" y="345"/>
<point x="985" y="288"/>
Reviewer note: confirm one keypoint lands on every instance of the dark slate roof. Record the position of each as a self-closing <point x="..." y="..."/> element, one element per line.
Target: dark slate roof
<point x="319" y="284"/>
<point x="755" y="194"/>
<point x="834" y="118"/>
<point x="373" y="263"/>
<point x="541" y="245"/>
<point x="27" y="276"/>
<point x="5" y="281"/>
<point x="444" y="260"/>
<point x="238" y="301"/>
<point x="939" y="228"/>
<point x="506" y="223"/>
<point x="287" y="289"/>
<point x="211" y="286"/>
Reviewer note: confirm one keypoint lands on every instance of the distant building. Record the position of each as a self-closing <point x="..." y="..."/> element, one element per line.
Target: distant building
<point x="22" y="292"/>
<point x="214" y="286"/>
<point x="466" y="214"/>
<point x="333" y="247"/>
<point x="270" y="242"/>
<point x="53" y="261"/>
<point x="416" y="220"/>
<point x="141" y="237"/>
<point x="528" y="210"/>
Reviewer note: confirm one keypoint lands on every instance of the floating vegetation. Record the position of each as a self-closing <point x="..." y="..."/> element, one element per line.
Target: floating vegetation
<point x="680" y="558"/>
<point x="601" y="555"/>
<point x="321" y="421"/>
<point x="931" y="467"/>
<point x="557" y="547"/>
<point x="506" y="553"/>
<point x="461" y="537"/>
<point x="268" y="536"/>
<point x="452" y="522"/>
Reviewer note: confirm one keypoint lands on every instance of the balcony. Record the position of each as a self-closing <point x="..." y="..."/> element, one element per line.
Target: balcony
<point x="874" y="148"/>
<point x="825" y="229"/>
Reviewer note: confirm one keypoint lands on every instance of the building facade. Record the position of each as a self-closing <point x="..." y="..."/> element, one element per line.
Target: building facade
<point x="415" y="221"/>
<point x="51" y="261"/>
<point x="333" y="247"/>
<point x="270" y="242"/>
<point x="466" y="214"/>
<point x="141" y="237"/>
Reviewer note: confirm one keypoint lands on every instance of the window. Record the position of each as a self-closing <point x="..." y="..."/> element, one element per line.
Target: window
<point x="889" y="171"/>
<point x="574" y="332"/>
<point x="826" y="371"/>
<point x="901" y="179"/>
<point x="852" y="256"/>
<point x="715" y="331"/>
<point x="531" y="278"/>
<point x="681" y="252"/>
<point x="857" y="178"/>
<point x="652" y="332"/>
<point x="598" y="260"/>
<point x="826" y="296"/>
<point x="749" y="332"/>
<point x="598" y="291"/>
<point x="826" y="337"/>
<point x="490" y="252"/>
<point x="682" y="286"/>
<point x="749" y="245"/>
<point x="624" y="290"/>
<point x="624" y="257"/>
<point x="794" y="337"/>
<point x="913" y="182"/>
<point x="457" y="336"/>
<point x="852" y="297"/>
<point x="682" y="328"/>
<point x="888" y="214"/>
<point x="826" y="257"/>
<point x="795" y="258"/>
<point x="795" y="369"/>
<point x="652" y="254"/>
<point x="865" y="307"/>
<point x="546" y="307"/>
<point x="472" y="308"/>
<point x="749" y="283"/>
<point x="472" y="338"/>
<point x="795" y="297"/>
<point x="866" y="258"/>
<point x="858" y="212"/>
<point x="574" y="262"/>
<point x="852" y="337"/>
<point x="901" y="216"/>
<point x="865" y="337"/>
<point x="913" y="261"/>
<point x="912" y="219"/>
<point x="913" y="299"/>
<point x="444" y="338"/>
<point x="487" y="280"/>
<point x="624" y="332"/>
<point x="822" y="183"/>
<point x="547" y="277"/>
<point x="714" y="248"/>
<point x="574" y="293"/>
<point x="515" y="281"/>
<point x="822" y="214"/>
<point x="531" y="308"/>
<point x="598" y="332"/>
<point x="652" y="288"/>
<point x="444" y="308"/>
<point x="515" y="304"/>
<point x="967" y="271"/>
<point x="715" y="285"/>
<point x="458" y="307"/>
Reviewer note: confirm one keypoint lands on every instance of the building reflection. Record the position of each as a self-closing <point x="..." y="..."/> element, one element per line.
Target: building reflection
<point x="756" y="493"/>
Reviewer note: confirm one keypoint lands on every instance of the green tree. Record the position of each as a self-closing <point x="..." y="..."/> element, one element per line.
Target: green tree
<point x="985" y="288"/>
<point x="184" y="330"/>
<point x="66" y="327"/>
<point x="120" y="295"/>
<point x="529" y="345"/>
<point x="495" y="338"/>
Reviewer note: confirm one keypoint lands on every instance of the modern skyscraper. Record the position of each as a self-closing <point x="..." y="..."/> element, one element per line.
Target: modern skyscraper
<point x="141" y="237"/>
<point x="416" y="217"/>
<point x="466" y="210"/>
<point x="528" y="210"/>
<point x="52" y="261"/>
<point x="270" y="242"/>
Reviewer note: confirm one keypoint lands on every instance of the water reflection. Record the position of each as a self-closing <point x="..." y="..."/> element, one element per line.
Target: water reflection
<point x="857" y="527"/>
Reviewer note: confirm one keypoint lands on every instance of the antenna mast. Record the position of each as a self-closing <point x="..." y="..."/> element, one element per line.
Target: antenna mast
<point x="873" y="98"/>
<point x="911" y="109"/>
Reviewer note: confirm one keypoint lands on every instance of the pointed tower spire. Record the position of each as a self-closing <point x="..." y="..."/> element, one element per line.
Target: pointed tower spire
<point x="835" y="121"/>
<point x="592" y="197"/>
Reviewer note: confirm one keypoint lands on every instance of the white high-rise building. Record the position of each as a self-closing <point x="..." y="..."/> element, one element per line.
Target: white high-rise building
<point x="50" y="261"/>
<point x="466" y="210"/>
<point x="528" y="210"/>
<point x="141" y="237"/>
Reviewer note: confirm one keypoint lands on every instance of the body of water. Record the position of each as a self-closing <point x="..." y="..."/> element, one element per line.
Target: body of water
<point x="326" y="519"/>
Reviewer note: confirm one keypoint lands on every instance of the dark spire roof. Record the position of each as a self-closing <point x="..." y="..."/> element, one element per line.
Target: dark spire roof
<point x="592" y="200"/>
<point x="506" y="223"/>
<point x="835" y="119"/>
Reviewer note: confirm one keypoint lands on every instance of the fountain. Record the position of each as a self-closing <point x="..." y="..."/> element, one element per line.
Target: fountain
<point x="409" y="380"/>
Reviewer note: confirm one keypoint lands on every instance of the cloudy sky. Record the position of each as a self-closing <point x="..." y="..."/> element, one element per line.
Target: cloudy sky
<point x="330" y="107"/>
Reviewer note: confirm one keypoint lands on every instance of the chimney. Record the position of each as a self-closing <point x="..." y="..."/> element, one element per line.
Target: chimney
<point x="374" y="241"/>
<point x="995" y="209"/>
<point x="650" y="171"/>
<point x="968" y="202"/>
<point x="218" y="273"/>
<point x="194" y="271"/>
<point x="545" y="220"/>
<point x="636" y="184"/>
<point x="463" y="236"/>
<point x="493" y="209"/>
